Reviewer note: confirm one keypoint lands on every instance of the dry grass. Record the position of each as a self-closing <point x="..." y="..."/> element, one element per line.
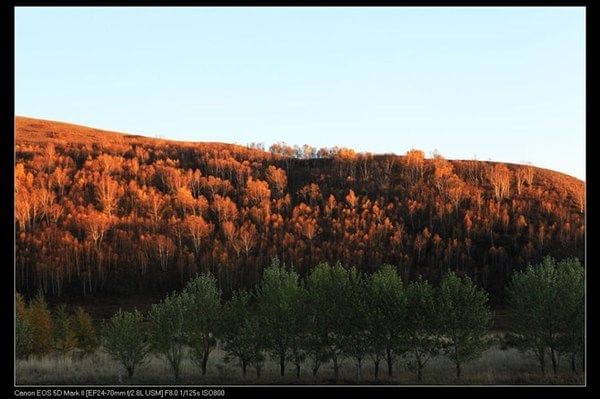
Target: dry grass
<point x="33" y="131"/>
<point x="496" y="366"/>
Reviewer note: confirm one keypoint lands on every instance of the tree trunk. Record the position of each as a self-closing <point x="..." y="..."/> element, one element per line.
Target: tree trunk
<point x="130" y="370"/>
<point x="282" y="364"/>
<point x="298" y="370"/>
<point x="458" y="370"/>
<point x="258" y="370"/>
<point x="205" y="361"/>
<point x="419" y="372"/>
<point x="376" y="363"/>
<point x="336" y="368"/>
<point x="542" y="360"/>
<point x="554" y="362"/>
<point x="359" y="370"/>
<point x="389" y="362"/>
<point x="315" y="370"/>
<point x="176" y="370"/>
<point x="573" y="363"/>
<point x="244" y="368"/>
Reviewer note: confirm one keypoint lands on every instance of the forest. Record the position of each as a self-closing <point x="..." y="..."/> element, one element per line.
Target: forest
<point x="104" y="213"/>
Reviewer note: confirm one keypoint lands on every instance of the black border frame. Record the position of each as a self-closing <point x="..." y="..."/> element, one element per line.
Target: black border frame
<point x="7" y="180"/>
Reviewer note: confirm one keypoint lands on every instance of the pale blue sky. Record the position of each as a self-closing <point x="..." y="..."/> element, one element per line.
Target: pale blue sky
<point x="506" y="84"/>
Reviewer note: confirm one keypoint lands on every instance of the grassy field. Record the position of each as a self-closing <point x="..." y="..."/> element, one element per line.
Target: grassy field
<point x="496" y="366"/>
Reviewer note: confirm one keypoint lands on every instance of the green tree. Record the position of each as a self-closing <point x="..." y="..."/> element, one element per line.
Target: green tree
<point x="531" y="309"/>
<point x="20" y="305"/>
<point x="64" y="336"/>
<point x="465" y="318"/>
<point x="387" y="309"/>
<point x="277" y="297"/>
<point x="23" y="338"/>
<point x="318" y="339"/>
<point x="167" y="332"/>
<point x="375" y="342"/>
<point x="125" y="340"/>
<point x="356" y="320"/>
<point x="203" y="307"/>
<point x="571" y="290"/>
<point x="546" y="309"/>
<point x="42" y="327"/>
<point x="328" y="290"/>
<point x="240" y="332"/>
<point x="421" y="325"/>
<point x="85" y="332"/>
<point x="23" y="330"/>
<point x="300" y="324"/>
<point x="260" y="345"/>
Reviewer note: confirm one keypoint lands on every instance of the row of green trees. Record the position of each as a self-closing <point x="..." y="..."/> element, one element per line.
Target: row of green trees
<point x="337" y="313"/>
<point x="38" y="331"/>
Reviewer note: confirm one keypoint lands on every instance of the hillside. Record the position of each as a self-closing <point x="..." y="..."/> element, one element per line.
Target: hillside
<point x="111" y="213"/>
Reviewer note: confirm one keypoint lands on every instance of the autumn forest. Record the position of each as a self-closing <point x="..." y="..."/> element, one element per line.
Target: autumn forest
<point x="101" y="213"/>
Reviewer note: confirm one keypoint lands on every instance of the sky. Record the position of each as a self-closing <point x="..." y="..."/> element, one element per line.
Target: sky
<point x="502" y="84"/>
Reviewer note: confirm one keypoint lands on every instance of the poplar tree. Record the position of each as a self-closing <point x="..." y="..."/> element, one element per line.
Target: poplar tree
<point x="241" y="332"/>
<point x="328" y="290"/>
<point x="421" y="326"/>
<point x="465" y="318"/>
<point x="167" y="331"/>
<point x="125" y="339"/>
<point x="277" y="298"/>
<point x="387" y="312"/>
<point x="546" y="310"/>
<point x="202" y="302"/>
